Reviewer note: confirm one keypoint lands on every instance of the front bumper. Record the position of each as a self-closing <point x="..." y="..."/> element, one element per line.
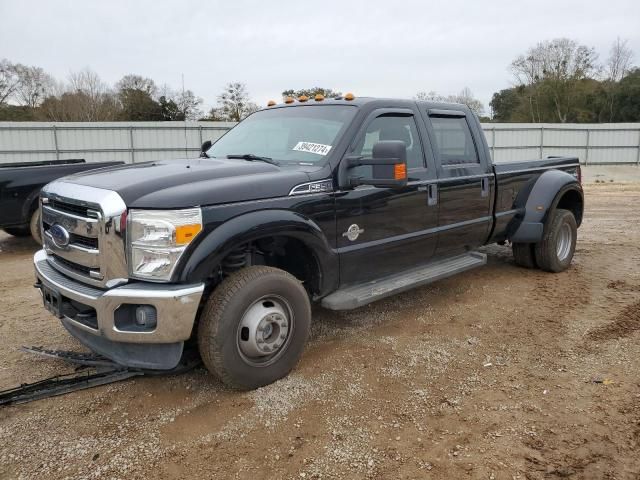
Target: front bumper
<point x="176" y="307"/>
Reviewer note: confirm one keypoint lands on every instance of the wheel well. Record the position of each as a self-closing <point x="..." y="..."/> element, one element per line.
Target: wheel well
<point x="572" y="200"/>
<point x="286" y="253"/>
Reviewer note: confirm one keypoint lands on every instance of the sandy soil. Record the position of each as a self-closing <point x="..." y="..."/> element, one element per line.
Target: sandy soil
<point x="499" y="373"/>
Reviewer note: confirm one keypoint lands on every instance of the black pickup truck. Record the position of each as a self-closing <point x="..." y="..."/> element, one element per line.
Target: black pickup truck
<point x="20" y="185"/>
<point x="339" y="201"/>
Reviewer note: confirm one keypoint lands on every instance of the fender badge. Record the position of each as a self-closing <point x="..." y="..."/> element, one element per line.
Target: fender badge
<point x="353" y="232"/>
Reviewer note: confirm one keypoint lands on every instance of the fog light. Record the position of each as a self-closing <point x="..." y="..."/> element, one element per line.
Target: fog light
<point x="146" y="316"/>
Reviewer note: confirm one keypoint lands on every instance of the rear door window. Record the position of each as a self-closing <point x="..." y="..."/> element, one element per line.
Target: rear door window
<point x="454" y="142"/>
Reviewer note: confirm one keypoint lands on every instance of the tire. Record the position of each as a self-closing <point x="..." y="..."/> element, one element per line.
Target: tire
<point x="18" y="231"/>
<point x="232" y="323"/>
<point x="555" y="252"/>
<point x="34" y="227"/>
<point x="523" y="255"/>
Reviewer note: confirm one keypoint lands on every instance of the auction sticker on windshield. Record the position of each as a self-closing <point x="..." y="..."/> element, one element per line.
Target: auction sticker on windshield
<point x="317" y="148"/>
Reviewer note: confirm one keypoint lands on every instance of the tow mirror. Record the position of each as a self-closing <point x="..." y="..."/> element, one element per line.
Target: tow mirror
<point x="389" y="165"/>
<point x="203" y="149"/>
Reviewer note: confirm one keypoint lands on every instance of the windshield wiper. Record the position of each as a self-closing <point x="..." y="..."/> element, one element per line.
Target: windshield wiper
<point x="251" y="157"/>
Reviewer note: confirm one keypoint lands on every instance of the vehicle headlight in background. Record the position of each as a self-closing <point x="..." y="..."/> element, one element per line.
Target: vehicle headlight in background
<point x="157" y="239"/>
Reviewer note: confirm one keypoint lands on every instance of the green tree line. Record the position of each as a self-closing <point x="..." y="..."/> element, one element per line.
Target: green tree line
<point x="561" y="81"/>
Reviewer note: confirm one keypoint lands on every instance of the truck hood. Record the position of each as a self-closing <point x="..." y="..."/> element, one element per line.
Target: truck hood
<point x="193" y="182"/>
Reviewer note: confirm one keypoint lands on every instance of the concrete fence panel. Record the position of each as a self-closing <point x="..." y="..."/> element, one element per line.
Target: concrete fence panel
<point x="144" y="141"/>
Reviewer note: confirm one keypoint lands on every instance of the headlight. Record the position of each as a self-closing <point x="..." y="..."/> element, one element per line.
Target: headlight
<point x="157" y="239"/>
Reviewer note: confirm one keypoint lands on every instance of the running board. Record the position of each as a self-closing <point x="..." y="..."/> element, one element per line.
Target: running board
<point x="358" y="295"/>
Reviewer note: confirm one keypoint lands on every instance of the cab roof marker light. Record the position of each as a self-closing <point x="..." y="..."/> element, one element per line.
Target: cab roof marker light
<point x="271" y="103"/>
<point x="319" y="97"/>
<point x="303" y="98"/>
<point x="349" y="96"/>
<point x="288" y="100"/>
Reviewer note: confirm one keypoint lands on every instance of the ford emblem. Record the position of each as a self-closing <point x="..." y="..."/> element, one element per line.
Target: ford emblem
<point x="59" y="235"/>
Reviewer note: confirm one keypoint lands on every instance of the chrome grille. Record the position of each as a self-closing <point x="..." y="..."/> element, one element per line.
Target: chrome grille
<point x="92" y="249"/>
<point x="72" y="265"/>
<point x="69" y="207"/>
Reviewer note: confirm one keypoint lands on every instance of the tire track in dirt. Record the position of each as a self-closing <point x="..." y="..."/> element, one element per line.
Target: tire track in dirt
<point x="623" y="324"/>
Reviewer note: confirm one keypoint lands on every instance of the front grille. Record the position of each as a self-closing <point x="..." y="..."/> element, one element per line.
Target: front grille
<point x="95" y="253"/>
<point x="69" y="208"/>
<point x="75" y="239"/>
<point x="72" y="265"/>
<point x="86" y="242"/>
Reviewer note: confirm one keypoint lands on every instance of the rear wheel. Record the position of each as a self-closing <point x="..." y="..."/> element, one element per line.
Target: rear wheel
<point x="253" y="328"/>
<point x="555" y="251"/>
<point x="523" y="254"/>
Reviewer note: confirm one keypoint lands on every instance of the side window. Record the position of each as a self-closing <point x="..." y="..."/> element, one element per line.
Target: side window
<point x="393" y="127"/>
<point x="454" y="140"/>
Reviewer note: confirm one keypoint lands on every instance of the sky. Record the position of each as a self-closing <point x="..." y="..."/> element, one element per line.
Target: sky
<point x="390" y="48"/>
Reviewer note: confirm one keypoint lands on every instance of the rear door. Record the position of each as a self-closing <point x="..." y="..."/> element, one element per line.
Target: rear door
<point x="465" y="181"/>
<point x="381" y="231"/>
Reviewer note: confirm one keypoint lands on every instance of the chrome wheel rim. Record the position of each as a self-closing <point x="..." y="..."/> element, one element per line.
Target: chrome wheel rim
<point x="563" y="245"/>
<point x="265" y="330"/>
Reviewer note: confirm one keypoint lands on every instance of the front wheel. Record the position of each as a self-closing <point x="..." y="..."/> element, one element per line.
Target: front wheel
<point x="555" y="251"/>
<point x="253" y="328"/>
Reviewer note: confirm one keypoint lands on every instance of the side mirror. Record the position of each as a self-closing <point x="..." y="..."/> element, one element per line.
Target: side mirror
<point x="203" y="149"/>
<point x="389" y="162"/>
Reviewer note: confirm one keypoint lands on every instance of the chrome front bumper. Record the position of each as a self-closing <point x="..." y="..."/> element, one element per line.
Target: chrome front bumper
<point x="176" y="306"/>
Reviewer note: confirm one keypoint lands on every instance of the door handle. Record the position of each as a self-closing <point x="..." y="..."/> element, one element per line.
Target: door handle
<point x="484" y="187"/>
<point x="432" y="194"/>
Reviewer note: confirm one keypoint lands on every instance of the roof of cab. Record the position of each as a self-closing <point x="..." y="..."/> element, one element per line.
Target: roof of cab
<point x="370" y="101"/>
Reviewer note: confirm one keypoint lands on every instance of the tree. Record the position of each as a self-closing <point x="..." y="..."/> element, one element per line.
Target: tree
<point x="234" y="103"/>
<point x="34" y="85"/>
<point x="617" y="66"/>
<point x="169" y="109"/>
<point x="619" y="61"/>
<point x="136" y="98"/>
<point x="627" y="98"/>
<point x="137" y="82"/>
<point x="552" y="70"/>
<point x="188" y="105"/>
<point x="85" y="99"/>
<point x="465" y="97"/>
<point x="431" y="96"/>
<point x="504" y="103"/>
<point x="311" y="92"/>
<point x="9" y="80"/>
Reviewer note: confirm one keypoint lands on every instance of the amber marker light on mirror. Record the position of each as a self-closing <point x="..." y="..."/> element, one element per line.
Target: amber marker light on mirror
<point x="399" y="171"/>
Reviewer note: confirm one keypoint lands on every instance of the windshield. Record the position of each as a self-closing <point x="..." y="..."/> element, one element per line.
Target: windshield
<point x="301" y="135"/>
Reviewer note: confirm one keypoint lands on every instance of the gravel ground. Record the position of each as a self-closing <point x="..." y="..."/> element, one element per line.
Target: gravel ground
<point x="498" y="373"/>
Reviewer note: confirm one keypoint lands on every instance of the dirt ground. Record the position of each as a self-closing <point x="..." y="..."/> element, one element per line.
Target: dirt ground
<point x="499" y="373"/>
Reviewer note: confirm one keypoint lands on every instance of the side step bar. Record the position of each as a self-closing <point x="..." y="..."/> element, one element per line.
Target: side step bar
<point x="358" y="295"/>
<point x="93" y="370"/>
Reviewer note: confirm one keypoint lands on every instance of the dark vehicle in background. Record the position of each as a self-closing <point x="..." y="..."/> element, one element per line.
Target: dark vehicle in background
<point x="340" y="202"/>
<point x="20" y="185"/>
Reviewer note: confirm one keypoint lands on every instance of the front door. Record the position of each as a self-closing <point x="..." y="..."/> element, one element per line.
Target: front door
<point x="381" y="231"/>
